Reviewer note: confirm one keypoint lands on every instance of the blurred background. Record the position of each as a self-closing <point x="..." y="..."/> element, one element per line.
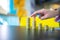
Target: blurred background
<point x="16" y="23"/>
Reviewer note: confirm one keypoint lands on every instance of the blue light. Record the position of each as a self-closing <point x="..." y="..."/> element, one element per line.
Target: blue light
<point x="1" y="23"/>
<point x="12" y="10"/>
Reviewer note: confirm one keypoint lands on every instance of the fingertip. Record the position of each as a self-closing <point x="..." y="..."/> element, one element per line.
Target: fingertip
<point x="31" y="15"/>
<point x="42" y="18"/>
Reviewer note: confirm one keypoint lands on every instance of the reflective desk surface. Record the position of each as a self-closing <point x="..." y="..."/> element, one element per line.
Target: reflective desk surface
<point x="21" y="33"/>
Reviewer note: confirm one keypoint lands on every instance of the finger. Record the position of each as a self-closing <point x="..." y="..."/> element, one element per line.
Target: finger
<point x="41" y="15"/>
<point x="44" y="17"/>
<point x="38" y="12"/>
<point x="34" y="14"/>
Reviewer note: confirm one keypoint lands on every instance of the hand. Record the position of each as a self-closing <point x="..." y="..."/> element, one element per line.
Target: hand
<point x="45" y="13"/>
